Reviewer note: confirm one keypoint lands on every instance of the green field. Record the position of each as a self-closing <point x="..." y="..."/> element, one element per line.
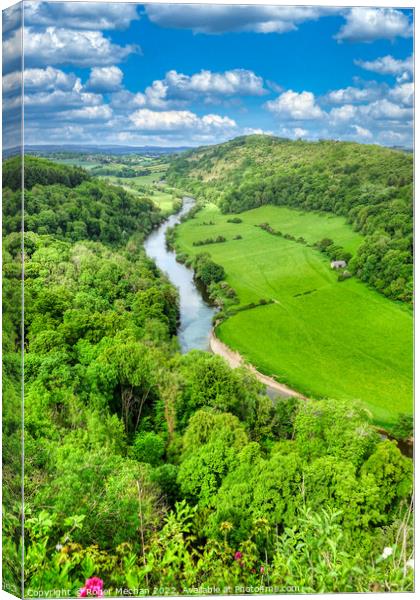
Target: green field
<point x="78" y="162"/>
<point x="323" y="337"/>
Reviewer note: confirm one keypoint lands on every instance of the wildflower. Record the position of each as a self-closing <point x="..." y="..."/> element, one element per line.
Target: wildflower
<point x="387" y="552"/>
<point x="92" y="587"/>
<point x="59" y="547"/>
<point x="238" y="555"/>
<point x="262" y="569"/>
<point x="410" y="563"/>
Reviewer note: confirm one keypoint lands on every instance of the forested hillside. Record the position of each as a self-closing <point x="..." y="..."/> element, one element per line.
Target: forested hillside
<point x="161" y="473"/>
<point x="371" y="186"/>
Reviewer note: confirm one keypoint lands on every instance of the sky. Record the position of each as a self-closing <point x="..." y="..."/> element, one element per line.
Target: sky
<point x="189" y="75"/>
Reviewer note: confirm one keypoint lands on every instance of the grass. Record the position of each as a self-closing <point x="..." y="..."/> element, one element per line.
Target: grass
<point x="77" y="162"/>
<point x="161" y="198"/>
<point x="323" y="337"/>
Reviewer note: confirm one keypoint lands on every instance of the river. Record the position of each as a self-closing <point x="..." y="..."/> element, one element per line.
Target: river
<point x="196" y="315"/>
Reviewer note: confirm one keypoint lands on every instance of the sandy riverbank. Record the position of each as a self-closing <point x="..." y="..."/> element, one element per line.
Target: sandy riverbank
<point x="236" y="360"/>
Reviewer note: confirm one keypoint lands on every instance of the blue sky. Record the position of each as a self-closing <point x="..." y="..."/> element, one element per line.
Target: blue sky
<point x="191" y="75"/>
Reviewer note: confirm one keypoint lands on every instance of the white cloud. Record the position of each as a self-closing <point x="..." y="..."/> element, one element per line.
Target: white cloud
<point x="175" y="120"/>
<point x="105" y="79"/>
<point x="380" y="110"/>
<point x="236" y="81"/>
<point x="81" y="15"/>
<point x="59" y="46"/>
<point x="88" y="113"/>
<point x="396" y="138"/>
<point x="403" y="94"/>
<point x="384" y="109"/>
<point x="178" y="89"/>
<point x="353" y="94"/>
<point x="126" y="100"/>
<point x="214" y="19"/>
<point x="388" y="65"/>
<point x="299" y="132"/>
<point x="59" y="99"/>
<point x="297" y="106"/>
<point x="362" y="132"/>
<point x="256" y="131"/>
<point x="347" y="112"/>
<point x="368" y="24"/>
<point x="40" y="79"/>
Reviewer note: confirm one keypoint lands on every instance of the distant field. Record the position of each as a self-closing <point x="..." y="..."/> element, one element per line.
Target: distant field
<point x="77" y="162"/>
<point x="141" y="179"/>
<point x="162" y="199"/>
<point x="323" y="337"/>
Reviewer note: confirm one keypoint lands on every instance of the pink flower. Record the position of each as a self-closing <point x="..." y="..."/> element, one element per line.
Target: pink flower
<point x="262" y="569"/>
<point x="238" y="555"/>
<point x="92" y="587"/>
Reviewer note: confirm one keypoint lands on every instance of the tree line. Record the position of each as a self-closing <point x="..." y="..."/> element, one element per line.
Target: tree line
<point x="148" y="469"/>
<point x="371" y="186"/>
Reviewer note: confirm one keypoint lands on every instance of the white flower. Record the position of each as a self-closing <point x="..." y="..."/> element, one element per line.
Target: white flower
<point x="410" y="563"/>
<point x="387" y="552"/>
<point x="59" y="547"/>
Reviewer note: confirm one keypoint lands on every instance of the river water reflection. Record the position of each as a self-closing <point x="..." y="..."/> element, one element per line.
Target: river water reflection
<point x="195" y="313"/>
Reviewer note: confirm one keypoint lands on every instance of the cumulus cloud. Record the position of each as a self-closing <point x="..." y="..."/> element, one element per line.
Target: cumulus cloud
<point x="81" y="15"/>
<point x="88" y="113"/>
<point x="388" y="65"/>
<point x="59" y="99"/>
<point x="40" y="79"/>
<point x="355" y="95"/>
<point x="175" y="120"/>
<point x="57" y="45"/>
<point x="384" y="109"/>
<point x="403" y="94"/>
<point x="257" y="131"/>
<point x="214" y="19"/>
<point x="368" y="24"/>
<point x="362" y="132"/>
<point x="207" y="86"/>
<point x="380" y="110"/>
<point x="105" y="79"/>
<point x="295" y="105"/>
<point x="347" y="112"/>
<point x="237" y="81"/>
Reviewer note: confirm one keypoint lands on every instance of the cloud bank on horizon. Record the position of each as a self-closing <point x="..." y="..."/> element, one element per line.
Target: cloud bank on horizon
<point x="172" y="75"/>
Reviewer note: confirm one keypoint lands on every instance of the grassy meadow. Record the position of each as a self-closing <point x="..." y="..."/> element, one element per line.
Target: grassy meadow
<point x="323" y="337"/>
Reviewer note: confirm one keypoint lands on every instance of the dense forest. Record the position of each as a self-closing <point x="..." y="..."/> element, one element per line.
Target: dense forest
<point x="370" y="185"/>
<point x="152" y="472"/>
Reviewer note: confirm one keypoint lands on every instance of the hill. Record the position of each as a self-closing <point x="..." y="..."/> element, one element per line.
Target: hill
<point x="371" y="186"/>
<point x="67" y="202"/>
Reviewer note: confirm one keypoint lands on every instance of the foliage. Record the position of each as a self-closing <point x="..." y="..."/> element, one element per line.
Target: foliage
<point x="321" y="337"/>
<point x="148" y="472"/>
<point x="370" y="185"/>
<point x="148" y="447"/>
<point x="74" y="208"/>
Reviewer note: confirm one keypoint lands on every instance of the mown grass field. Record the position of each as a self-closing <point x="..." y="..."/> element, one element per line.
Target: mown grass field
<point x="323" y="337"/>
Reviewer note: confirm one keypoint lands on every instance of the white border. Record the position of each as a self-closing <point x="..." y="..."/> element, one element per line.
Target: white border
<point x="383" y="3"/>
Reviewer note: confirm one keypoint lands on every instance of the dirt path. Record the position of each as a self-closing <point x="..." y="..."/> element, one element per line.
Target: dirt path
<point x="236" y="360"/>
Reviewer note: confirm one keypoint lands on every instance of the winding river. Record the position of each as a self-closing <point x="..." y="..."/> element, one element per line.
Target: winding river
<point x="195" y="313"/>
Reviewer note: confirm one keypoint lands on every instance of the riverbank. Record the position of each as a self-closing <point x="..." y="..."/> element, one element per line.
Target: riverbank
<point x="196" y="315"/>
<point x="234" y="359"/>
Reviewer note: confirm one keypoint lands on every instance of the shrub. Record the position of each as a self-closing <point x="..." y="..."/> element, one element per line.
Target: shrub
<point x="148" y="447"/>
